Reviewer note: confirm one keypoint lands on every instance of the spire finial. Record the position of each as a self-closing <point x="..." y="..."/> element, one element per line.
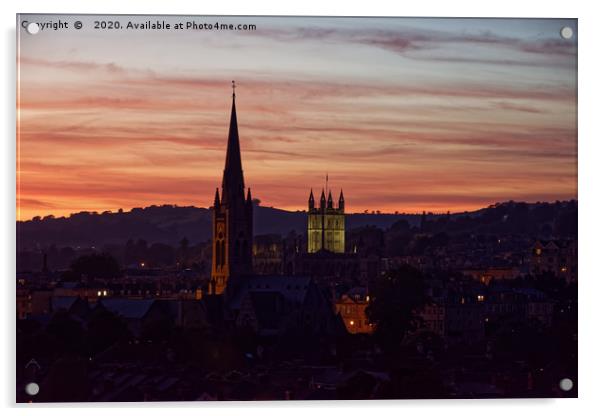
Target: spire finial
<point x="233" y="89"/>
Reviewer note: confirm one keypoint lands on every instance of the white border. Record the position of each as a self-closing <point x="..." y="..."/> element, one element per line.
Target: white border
<point x="590" y="191"/>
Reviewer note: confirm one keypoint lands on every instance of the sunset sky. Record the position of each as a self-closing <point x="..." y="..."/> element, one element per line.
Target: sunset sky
<point x="403" y="114"/>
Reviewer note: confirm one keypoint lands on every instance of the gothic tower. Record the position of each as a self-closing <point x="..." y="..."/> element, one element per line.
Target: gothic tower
<point x="326" y="224"/>
<point x="232" y="217"/>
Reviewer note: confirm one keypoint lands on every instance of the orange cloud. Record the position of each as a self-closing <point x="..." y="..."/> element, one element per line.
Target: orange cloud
<point x="103" y="136"/>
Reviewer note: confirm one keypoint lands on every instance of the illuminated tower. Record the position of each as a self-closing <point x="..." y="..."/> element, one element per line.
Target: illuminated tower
<point x="232" y="217"/>
<point x="326" y="224"/>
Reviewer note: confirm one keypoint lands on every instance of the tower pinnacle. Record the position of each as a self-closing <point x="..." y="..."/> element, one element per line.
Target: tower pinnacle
<point x="216" y="201"/>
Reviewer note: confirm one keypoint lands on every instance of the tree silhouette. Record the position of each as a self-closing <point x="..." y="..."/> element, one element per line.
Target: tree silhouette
<point x="394" y="298"/>
<point x="96" y="266"/>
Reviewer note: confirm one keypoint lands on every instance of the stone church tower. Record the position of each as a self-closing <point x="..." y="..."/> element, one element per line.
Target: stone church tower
<point x="326" y="224"/>
<point x="232" y="217"/>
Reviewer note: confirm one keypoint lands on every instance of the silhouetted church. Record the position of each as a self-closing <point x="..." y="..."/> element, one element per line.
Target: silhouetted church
<point x="232" y="217"/>
<point x="270" y="305"/>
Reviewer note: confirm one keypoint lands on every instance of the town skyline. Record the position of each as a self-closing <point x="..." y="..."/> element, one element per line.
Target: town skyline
<point x="398" y="112"/>
<point x="324" y="117"/>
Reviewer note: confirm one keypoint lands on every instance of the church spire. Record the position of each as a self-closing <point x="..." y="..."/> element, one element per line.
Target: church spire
<point x="341" y="201"/>
<point x="233" y="186"/>
<point x="232" y="218"/>
<point x="311" y="201"/>
<point x="329" y="199"/>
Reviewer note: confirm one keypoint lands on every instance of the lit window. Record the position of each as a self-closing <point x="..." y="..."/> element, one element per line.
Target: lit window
<point x="104" y="293"/>
<point x="538" y="251"/>
<point x="99" y="293"/>
<point x="351" y="323"/>
<point x="480" y="298"/>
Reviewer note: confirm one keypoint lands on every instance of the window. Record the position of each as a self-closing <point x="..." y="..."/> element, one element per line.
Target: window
<point x="218" y="253"/>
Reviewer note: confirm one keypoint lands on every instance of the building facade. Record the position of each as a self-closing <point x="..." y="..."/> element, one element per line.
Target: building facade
<point x="326" y="224"/>
<point x="558" y="257"/>
<point x="351" y="306"/>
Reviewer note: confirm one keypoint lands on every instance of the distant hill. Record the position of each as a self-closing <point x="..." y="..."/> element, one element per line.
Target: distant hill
<point x="166" y="224"/>
<point x="169" y="224"/>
